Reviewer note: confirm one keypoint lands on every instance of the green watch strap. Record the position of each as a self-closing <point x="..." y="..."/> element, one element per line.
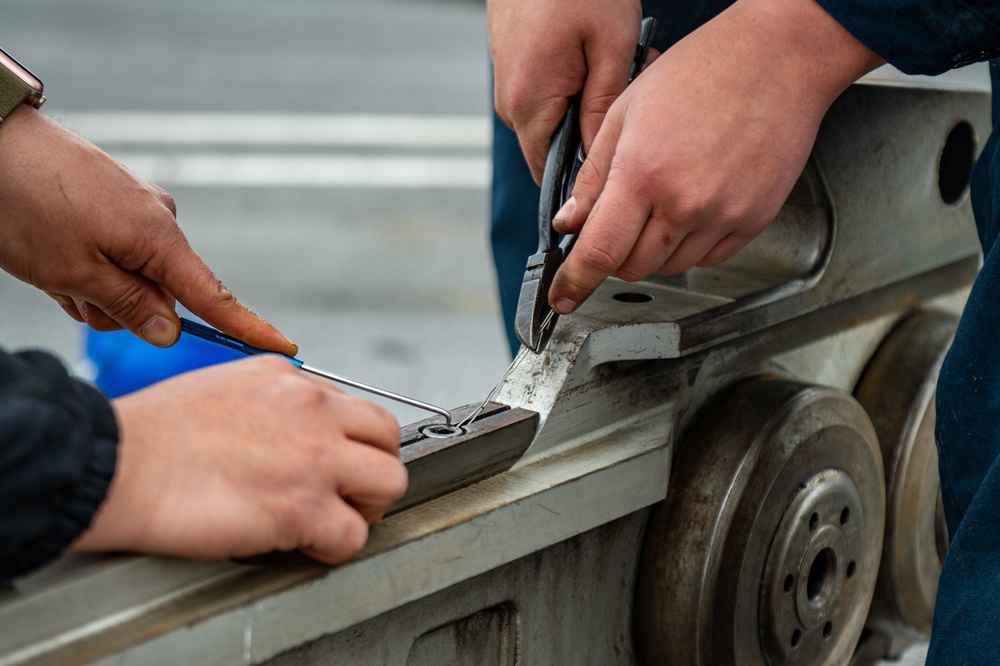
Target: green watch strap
<point x="13" y="92"/>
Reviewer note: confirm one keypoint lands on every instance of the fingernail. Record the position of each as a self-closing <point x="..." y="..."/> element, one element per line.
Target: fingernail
<point x="564" y="305"/>
<point x="563" y="214"/>
<point x="159" y="331"/>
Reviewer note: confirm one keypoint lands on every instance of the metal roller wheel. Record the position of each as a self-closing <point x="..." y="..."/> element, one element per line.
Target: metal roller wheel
<point x="767" y="546"/>
<point x="897" y="390"/>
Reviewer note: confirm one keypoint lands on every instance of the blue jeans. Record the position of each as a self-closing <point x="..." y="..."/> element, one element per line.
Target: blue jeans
<point x="968" y="439"/>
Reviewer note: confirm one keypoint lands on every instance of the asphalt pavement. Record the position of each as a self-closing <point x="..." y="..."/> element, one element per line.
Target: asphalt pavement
<point x="328" y="159"/>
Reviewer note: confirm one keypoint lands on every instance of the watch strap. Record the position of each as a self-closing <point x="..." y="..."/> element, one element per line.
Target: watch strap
<point x="13" y="92"/>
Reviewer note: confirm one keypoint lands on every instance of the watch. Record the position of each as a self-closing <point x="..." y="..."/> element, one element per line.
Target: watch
<point x="17" y="86"/>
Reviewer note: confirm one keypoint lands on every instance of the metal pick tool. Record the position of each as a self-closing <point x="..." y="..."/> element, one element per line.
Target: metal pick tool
<point x="220" y="338"/>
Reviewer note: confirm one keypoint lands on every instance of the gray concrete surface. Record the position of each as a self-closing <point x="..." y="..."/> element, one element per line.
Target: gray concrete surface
<point x="388" y="285"/>
<point x="391" y="285"/>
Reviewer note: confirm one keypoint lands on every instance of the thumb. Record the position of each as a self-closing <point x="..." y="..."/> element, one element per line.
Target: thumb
<point x="134" y="303"/>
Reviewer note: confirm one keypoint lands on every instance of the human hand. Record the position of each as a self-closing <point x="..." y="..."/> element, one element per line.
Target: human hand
<point x="697" y="156"/>
<point x="103" y="242"/>
<point x="247" y="458"/>
<point x="546" y="51"/>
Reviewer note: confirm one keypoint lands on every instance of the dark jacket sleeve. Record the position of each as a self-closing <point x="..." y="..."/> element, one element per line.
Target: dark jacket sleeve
<point x="923" y="36"/>
<point x="58" y="445"/>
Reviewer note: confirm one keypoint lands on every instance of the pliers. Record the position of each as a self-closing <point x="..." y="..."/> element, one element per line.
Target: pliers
<point x="535" y="318"/>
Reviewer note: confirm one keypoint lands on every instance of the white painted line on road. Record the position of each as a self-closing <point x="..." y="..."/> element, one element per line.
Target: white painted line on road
<point x="270" y="129"/>
<point x="282" y="170"/>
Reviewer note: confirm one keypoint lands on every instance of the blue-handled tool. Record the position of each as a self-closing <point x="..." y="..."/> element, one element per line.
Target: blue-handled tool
<point x="218" y="337"/>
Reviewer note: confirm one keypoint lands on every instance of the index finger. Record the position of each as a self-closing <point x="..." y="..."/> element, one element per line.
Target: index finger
<point x="185" y="275"/>
<point x="608" y="235"/>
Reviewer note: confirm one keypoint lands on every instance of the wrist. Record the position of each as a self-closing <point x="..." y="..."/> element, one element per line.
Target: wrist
<point x="804" y="47"/>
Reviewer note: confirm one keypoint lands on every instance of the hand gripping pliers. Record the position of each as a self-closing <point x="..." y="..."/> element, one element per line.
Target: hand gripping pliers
<point x="535" y="318"/>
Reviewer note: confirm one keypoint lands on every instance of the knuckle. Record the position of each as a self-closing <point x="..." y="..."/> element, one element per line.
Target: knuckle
<point x="589" y="178"/>
<point x="599" y="102"/>
<point x="397" y="480"/>
<point x="629" y="274"/>
<point x="127" y="304"/>
<point x="515" y="104"/>
<point x="353" y="534"/>
<point x="691" y="207"/>
<point x="165" y="198"/>
<point x="388" y="424"/>
<point x="603" y="256"/>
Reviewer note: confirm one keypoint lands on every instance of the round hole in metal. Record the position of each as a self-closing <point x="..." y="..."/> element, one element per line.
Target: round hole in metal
<point x="821" y="575"/>
<point x="633" y="297"/>
<point x="955" y="166"/>
<point x="441" y="431"/>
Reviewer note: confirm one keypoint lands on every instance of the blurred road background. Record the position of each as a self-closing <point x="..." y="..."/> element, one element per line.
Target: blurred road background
<point x="346" y="201"/>
<point x="330" y="160"/>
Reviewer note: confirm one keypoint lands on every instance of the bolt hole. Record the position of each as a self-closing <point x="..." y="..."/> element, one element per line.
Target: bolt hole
<point x="441" y="431"/>
<point x="633" y="297"/>
<point x="827" y="630"/>
<point x="851" y="567"/>
<point x="845" y="515"/>
<point x="955" y="165"/>
<point x="813" y="521"/>
<point x="796" y="637"/>
<point x="821" y="573"/>
<point x="789" y="582"/>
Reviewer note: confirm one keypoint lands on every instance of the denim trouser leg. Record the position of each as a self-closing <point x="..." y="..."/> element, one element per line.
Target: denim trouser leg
<point x="968" y="413"/>
<point x="513" y="221"/>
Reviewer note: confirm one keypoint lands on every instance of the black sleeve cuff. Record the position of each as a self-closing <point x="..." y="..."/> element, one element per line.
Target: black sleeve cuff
<point x="58" y="448"/>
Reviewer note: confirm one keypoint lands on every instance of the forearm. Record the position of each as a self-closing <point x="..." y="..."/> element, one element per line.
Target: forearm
<point x="795" y="44"/>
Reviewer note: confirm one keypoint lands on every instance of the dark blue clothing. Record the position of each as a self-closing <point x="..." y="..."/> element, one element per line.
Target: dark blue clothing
<point x="513" y="222"/>
<point x="924" y="37"/>
<point x="58" y="446"/>
<point x="918" y="37"/>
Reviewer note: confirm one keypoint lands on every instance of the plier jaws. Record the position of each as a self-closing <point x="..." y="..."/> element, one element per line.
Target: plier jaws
<point x="535" y="319"/>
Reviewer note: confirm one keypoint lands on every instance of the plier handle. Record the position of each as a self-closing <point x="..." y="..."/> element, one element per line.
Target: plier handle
<point x="535" y="318"/>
